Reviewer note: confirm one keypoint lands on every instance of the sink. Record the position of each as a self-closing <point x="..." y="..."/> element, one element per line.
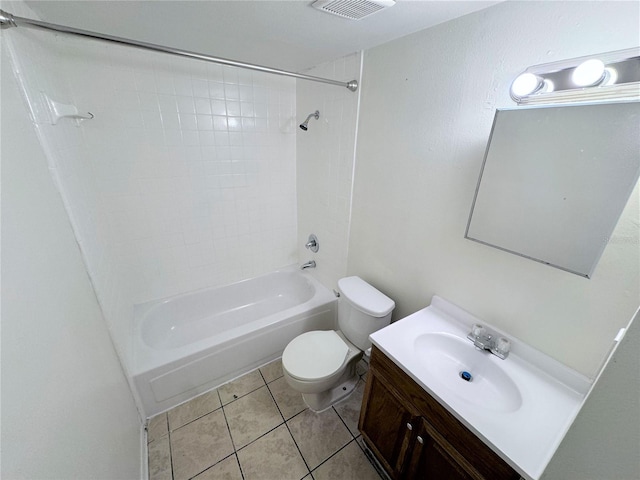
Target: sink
<point x="472" y="375"/>
<point x="520" y="407"/>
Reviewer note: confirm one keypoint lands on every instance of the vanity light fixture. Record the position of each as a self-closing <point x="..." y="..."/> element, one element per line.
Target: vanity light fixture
<point x="606" y="76"/>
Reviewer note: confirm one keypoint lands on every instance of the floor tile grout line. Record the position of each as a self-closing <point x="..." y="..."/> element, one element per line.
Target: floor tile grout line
<point x="226" y="421"/>
<point x="325" y="460"/>
<point x="211" y="466"/>
<point x="170" y="449"/>
<point x="298" y="448"/>
<point x="196" y="419"/>
<point x="276" y="403"/>
<point x="285" y="422"/>
<point x="235" y="450"/>
<point x="343" y="422"/>
<point x="255" y="440"/>
<point x="239" y="466"/>
<point x="289" y="430"/>
<point x="333" y="455"/>
<point x="342" y="448"/>
<point x="273" y="379"/>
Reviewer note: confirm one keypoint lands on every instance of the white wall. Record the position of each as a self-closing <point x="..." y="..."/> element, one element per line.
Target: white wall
<point x="428" y="101"/>
<point x="185" y="178"/>
<point x="325" y="159"/>
<point x="67" y="411"/>
<point x="604" y="441"/>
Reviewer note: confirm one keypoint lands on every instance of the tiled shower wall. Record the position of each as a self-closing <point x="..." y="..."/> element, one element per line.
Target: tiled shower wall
<point x="185" y="178"/>
<point x="325" y="156"/>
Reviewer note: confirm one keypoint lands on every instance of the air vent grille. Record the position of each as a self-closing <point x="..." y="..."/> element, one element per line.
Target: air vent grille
<point x="353" y="9"/>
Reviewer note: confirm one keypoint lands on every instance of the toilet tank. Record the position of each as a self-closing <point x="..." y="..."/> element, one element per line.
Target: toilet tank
<point x="362" y="310"/>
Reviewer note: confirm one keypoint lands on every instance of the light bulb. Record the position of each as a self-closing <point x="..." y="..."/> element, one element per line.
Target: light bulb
<point x="610" y="76"/>
<point x="525" y="84"/>
<point x="588" y="73"/>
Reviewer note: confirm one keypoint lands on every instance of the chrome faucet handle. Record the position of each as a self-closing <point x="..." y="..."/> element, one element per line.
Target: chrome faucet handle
<point x="501" y="348"/>
<point x="312" y="243"/>
<point x="477" y="330"/>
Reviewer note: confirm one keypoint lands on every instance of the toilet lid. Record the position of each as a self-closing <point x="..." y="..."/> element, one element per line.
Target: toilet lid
<point x="314" y="355"/>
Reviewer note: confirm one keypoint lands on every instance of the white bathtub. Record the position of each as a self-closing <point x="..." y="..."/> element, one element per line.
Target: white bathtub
<point x="193" y="342"/>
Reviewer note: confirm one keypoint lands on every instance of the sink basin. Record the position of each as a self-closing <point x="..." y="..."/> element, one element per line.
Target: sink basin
<point x="470" y="374"/>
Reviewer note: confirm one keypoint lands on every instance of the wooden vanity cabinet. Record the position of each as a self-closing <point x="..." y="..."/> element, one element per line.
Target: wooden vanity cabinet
<point x="414" y="437"/>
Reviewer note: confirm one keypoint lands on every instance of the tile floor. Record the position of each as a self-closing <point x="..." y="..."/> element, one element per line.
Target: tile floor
<point x="257" y="427"/>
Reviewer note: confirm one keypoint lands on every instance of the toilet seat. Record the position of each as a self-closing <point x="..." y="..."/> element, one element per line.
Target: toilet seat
<point x="314" y="356"/>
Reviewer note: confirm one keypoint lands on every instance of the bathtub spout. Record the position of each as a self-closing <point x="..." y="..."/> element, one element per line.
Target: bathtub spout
<point x="310" y="264"/>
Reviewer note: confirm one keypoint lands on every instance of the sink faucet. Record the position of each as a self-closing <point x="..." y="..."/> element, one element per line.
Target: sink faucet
<point x="309" y="264"/>
<point x="484" y="340"/>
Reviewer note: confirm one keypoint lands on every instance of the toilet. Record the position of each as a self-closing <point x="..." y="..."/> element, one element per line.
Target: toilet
<point x="322" y="364"/>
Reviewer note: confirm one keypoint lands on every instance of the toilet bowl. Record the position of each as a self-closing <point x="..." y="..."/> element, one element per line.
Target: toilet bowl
<point x="321" y="364"/>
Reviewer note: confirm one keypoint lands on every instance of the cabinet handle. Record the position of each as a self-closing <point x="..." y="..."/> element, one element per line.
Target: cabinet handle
<point x="409" y="426"/>
<point x="420" y="440"/>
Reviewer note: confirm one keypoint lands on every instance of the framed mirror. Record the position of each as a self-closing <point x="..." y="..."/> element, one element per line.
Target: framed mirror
<point x="555" y="180"/>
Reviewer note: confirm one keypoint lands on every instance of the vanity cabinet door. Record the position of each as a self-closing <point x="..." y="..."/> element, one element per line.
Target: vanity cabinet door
<point x="388" y="423"/>
<point x="433" y="458"/>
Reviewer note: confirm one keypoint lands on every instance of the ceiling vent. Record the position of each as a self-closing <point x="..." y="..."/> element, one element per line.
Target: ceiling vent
<point x="352" y="9"/>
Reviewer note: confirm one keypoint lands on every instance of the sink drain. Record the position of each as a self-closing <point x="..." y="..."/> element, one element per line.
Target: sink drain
<point x="466" y="376"/>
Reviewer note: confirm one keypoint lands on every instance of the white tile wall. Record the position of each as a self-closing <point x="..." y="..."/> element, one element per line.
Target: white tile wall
<point x="325" y="156"/>
<point x="185" y="178"/>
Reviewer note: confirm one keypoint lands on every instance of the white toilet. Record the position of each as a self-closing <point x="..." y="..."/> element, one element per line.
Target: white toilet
<point x="322" y="364"/>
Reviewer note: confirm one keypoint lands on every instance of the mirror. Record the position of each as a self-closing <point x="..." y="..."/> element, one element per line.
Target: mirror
<point x="555" y="180"/>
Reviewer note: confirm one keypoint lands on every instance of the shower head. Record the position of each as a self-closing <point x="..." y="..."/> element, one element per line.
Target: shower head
<point x="304" y="124"/>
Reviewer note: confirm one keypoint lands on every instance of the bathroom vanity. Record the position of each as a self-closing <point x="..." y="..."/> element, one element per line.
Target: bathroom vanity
<point x="423" y="419"/>
<point x="413" y="436"/>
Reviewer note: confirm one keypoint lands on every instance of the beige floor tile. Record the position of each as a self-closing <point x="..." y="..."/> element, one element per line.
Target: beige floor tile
<point x="349" y="409"/>
<point x="289" y="401"/>
<point x="227" y="469"/>
<point x="362" y="367"/>
<point x="350" y="463"/>
<point x="240" y="386"/>
<point x="157" y="427"/>
<point x="195" y="408"/>
<point x="160" y="459"/>
<point x="252" y="416"/>
<point x="271" y="457"/>
<point x="319" y="435"/>
<point x="272" y="371"/>
<point x="200" y="444"/>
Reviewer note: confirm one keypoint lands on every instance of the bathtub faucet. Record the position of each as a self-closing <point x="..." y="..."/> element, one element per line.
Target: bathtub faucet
<point x="310" y="264"/>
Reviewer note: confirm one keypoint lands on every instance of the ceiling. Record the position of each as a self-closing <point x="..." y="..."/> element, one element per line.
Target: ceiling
<point x="286" y="34"/>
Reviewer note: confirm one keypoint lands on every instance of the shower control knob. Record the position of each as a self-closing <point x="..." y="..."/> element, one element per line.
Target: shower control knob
<point x="312" y="243"/>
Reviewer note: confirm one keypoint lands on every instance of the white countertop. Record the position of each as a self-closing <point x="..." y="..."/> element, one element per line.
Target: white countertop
<point x="525" y="436"/>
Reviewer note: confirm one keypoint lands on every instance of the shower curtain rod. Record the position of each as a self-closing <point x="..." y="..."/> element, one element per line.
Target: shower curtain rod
<point x="8" y="20"/>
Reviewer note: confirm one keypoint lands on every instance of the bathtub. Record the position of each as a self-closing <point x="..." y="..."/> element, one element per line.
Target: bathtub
<point x="190" y="343"/>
